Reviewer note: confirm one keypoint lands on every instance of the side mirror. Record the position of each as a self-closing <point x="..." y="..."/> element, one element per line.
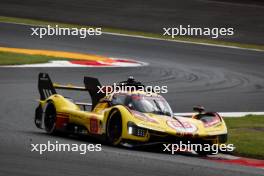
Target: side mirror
<point x="130" y="106"/>
<point x="199" y="109"/>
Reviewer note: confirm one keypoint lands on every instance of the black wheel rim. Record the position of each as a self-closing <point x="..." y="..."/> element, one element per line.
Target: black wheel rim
<point x="114" y="129"/>
<point x="50" y="118"/>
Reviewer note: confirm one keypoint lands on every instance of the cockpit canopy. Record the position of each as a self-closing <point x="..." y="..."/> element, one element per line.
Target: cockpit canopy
<point x="144" y="103"/>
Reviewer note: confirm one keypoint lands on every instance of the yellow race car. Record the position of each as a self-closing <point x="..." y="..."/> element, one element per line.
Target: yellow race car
<point x="133" y="117"/>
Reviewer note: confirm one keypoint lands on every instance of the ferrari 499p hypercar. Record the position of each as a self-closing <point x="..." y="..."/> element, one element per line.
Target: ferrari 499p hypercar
<point x="132" y="117"/>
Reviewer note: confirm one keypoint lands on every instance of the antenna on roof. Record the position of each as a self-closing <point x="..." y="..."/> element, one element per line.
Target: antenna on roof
<point x="131" y="82"/>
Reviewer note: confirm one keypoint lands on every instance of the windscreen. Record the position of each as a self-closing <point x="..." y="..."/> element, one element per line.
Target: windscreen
<point x="144" y="103"/>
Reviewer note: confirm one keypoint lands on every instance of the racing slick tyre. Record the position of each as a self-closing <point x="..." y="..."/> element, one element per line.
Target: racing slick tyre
<point x="50" y="119"/>
<point x="38" y="116"/>
<point x="114" y="128"/>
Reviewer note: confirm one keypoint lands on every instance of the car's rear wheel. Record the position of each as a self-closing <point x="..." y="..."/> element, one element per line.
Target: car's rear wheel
<point x="38" y="117"/>
<point x="114" y="128"/>
<point x="50" y="118"/>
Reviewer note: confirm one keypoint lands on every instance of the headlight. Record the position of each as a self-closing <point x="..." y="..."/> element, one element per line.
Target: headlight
<point x="130" y="130"/>
<point x="135" y="130"/>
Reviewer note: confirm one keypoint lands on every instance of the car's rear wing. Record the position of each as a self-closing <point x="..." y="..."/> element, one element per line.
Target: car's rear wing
<point x="69" y="87"/>
<point x="47" y="88"/>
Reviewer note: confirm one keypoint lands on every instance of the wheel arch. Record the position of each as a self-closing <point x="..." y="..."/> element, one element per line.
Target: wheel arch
<point x="123" y="113"/>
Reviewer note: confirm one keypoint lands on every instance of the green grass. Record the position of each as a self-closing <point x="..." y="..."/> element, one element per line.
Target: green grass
<point x="129" y="32"/>
<point x="247" y="135"/>
<point x="7" y="58"/>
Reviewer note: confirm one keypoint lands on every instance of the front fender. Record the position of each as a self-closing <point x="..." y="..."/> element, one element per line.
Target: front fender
<point x="127" y="117"/>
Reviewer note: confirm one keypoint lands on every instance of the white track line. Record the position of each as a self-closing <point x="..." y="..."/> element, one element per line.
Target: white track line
<point x="225" y="114"/>
<point x="182" y="41"/>
<point x="160" y="39"/>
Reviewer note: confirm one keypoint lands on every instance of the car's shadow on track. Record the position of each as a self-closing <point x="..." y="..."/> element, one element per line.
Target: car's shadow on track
<point x="157" y="148"/>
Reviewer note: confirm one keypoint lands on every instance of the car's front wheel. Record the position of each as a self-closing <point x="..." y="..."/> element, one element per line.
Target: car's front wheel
<point x="114" y="128"/>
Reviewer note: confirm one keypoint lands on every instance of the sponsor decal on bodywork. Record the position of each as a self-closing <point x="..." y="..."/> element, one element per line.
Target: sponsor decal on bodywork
<point x="182" y="126"/>
<point x="94" y="126"/>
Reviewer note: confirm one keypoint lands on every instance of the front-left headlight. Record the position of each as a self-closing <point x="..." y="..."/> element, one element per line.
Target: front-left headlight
<point x="135" y="130"/>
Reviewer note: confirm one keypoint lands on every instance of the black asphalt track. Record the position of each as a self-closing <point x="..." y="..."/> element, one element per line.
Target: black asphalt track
<point x="245" y="16"/>
<point x="222" y="79"/>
